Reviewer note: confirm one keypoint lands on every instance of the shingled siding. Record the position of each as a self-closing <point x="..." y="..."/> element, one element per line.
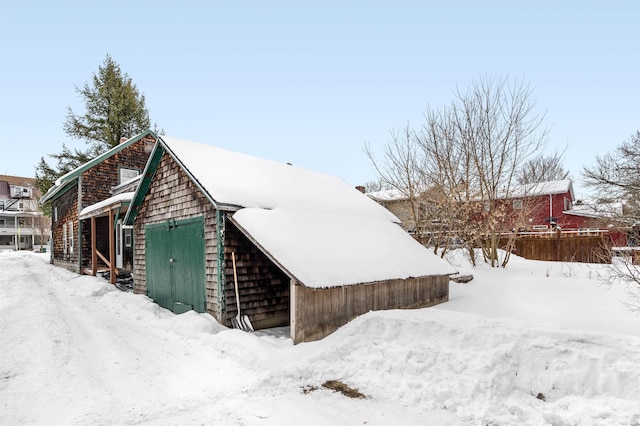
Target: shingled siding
<point x="99" y="179"/>
<point x="319" y="312"/>
<point x="67" y="212"/>
<point x="172" y="195"/>
<point x="96" y="184"/>
<point x="263" y="288"/>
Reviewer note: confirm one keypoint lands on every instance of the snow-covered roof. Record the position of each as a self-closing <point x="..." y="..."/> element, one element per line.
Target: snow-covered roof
<point x="598" y="210"/>
<point x="321" y="231"/>
<point x="99" y="208"/>
<point x="387" y="195"/>
<point x="322" y="249"/>
<point x="236" y="179"/>
<point x="544" y="188"/>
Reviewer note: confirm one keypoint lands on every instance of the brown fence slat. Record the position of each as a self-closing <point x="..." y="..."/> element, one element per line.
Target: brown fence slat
<point x="564" y="247"/>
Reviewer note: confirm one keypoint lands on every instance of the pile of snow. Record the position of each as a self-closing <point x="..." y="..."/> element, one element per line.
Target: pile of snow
<point x="512" y="347"/>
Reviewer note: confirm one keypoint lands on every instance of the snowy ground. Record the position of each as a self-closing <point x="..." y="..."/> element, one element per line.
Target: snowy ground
<point x="538" y="343"/>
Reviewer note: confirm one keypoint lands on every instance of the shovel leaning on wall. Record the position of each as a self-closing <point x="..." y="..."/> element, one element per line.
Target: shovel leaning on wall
<point x="239" y="321"/>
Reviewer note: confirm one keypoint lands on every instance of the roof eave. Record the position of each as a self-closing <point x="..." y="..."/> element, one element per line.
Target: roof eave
<point x="56" y="190"/>
<point x="263" y="250"/>
<point x="149" y="171"/>
<point x="103" y="211"/>
<point x="75" y="173"/>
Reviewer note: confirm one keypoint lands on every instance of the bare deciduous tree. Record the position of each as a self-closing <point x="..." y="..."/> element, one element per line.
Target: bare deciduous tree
<point x="463" y="163"/>
<point x="542" y="168"/>
<point x="616" y="176"/>
<point x="400" y="170"/>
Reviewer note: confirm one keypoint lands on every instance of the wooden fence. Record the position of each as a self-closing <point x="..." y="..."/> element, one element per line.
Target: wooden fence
<point x="565" y="246"/>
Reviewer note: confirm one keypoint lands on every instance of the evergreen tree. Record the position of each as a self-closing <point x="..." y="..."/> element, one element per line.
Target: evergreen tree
<point x="114" y="109"/>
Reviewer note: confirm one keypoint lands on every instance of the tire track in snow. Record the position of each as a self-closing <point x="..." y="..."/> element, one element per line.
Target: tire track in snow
<point x="99" y="363"/>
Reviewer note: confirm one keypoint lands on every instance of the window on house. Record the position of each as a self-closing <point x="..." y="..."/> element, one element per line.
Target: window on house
<point x="128" y="174"/>
<point x="128" y="237"/>
<point x="2" y="223"/>
<point x="1" y="205"/>
<point x="517" y="204"/>
<point x="55" y="214"/>
<point x="20" y="222"/>
<point x="567" y="204"/>
<point x="487" y="206"/>
<point x="64" y="238"/>
<point x="71" y="237"/>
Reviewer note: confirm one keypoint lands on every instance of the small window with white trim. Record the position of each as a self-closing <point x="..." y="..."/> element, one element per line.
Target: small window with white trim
<point x="64" y="238"/>
<point x="71" y="237"/>
<point x="567" y="204"/>
<point x="127" y="174"/>
<point x="128" y="237"/>
<point x="517" y="204"/>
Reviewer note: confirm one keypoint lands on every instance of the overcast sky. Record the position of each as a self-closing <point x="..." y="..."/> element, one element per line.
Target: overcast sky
<point x="310" y="82"/>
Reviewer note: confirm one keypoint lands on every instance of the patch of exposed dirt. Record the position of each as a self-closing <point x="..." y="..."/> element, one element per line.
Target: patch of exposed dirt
<point x="336" y="386"/>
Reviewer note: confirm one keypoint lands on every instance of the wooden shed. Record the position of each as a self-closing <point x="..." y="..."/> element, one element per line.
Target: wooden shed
<point x="311" y="251"/>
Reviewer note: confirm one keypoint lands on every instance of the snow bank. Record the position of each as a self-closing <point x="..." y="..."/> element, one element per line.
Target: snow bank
<point x="76" y="351"/>
<point x="485" y="371"/>
<point x="572" y="295"/>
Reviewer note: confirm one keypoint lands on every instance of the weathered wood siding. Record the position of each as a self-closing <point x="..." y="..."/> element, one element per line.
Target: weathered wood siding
<point x="262" y="286"/>
<point x="99" y="179"/>
<point x="172" y="195"/>
<point x="96" y="184"/>
<point x="319" y="312"/>
<point x="586" y="249"/>
<point x="67" y="212"/>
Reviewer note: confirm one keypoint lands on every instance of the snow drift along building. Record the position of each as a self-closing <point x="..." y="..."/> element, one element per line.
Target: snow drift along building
<point x="311" y="251"/>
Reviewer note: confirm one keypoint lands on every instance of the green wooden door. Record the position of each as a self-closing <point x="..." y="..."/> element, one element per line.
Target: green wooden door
<point x="175" y="264"/>
<point x="158" y="266"/>
<point x="187" y="243"/>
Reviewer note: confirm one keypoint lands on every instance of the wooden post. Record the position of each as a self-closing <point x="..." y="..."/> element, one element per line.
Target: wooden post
<point x="94" y="250"/>
<point x="292" y="309"/>
<point x="112" y="249"/>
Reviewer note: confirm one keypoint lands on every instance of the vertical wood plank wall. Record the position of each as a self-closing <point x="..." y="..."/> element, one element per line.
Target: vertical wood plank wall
<point x="586" y="249"/>
<point x="319" y="312"/>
